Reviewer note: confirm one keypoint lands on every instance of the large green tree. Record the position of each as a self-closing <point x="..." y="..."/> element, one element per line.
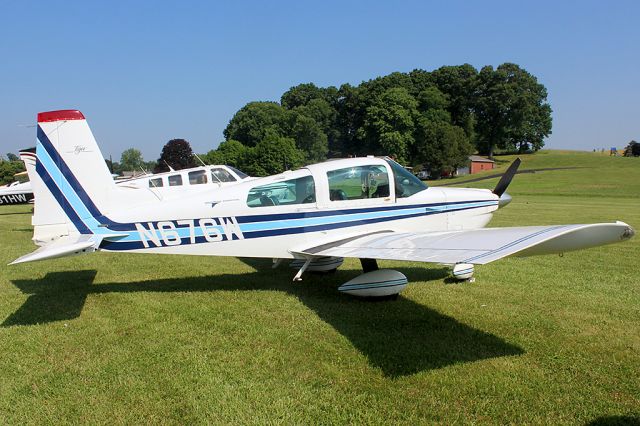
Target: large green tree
<point x="318" y="104"/>
<point x="511" y="109"/>
<point x="273" y="154"/>
<point x="252" y="122"/>
<point x="301" y="95"/>
<point x="231" y="153"/>
<point x="351" y="111"/>
<point x="131" y="160"/>
<point x="308" y="137"/>
<point x="256" y="120"/>
<point x="458" y="84"/>
<point x="390" y="124"/>
<point x="440" y="145"/>
<point x="443" y="147"/>
<point x="8" y="169"/>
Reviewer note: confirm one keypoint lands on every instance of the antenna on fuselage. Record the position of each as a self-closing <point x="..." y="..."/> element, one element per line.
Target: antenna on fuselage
<point x="170" y="168"/>
<point x="199" y="159"/>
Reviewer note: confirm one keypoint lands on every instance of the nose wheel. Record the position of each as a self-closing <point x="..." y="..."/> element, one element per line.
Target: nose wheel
<point x="463" y="272"/>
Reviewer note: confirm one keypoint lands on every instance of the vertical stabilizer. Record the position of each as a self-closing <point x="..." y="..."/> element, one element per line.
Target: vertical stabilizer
<point x="65" y="151"/>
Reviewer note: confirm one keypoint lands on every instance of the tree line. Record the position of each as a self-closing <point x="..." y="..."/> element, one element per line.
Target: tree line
<point x="426" y="119"/>
<point x="176" y="153"/>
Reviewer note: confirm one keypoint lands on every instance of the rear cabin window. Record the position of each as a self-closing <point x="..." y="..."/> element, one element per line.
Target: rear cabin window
<point x="175" y="180"/>
<point x="355" y="183"/>
<point x="198" y="177"/>
<point x="221" y="175"/>
<point x="155" y="183"/>
<point x="293" y="191"/>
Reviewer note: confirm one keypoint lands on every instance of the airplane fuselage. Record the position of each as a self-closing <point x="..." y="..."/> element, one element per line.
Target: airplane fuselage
<point x="223" y="223"/>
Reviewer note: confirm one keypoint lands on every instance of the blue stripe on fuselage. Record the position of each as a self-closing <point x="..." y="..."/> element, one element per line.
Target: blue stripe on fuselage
<point x="131" y="243"/>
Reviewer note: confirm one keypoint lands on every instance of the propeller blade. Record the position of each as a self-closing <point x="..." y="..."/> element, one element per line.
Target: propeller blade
<point x="506" y="178"/>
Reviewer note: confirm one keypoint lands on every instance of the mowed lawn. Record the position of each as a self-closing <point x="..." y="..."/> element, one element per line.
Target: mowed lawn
<point x="114" y="338"/>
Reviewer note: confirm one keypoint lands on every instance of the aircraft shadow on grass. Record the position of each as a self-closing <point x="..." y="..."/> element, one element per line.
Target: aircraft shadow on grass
<point x="15" y="213"/>
<point x="620" y="420"/>
<point x="400" y="337"/>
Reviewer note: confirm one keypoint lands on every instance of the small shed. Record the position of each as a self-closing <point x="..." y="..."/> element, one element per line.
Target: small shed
<point x="479" y="164"/>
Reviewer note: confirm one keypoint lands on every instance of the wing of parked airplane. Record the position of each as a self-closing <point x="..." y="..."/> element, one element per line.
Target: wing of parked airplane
<point x="478" y="246"/>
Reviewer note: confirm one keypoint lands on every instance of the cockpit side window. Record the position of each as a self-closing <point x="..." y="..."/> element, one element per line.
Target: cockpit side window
<point x="221" y="175"/>
<point x="360" y="182"/>
<point x="406" y="184"/>
<point x="175" y="180"/>
<point x="155" y="183"/>
<point x="293" y="191"/>
<point x="197" y="177"/>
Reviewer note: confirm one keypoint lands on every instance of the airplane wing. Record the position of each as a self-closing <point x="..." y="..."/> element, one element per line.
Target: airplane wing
<point x="478" y="246"/>
<point x="65" y="246"/>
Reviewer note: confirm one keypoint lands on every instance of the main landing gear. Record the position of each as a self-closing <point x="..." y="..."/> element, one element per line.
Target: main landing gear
<point x="463" y="272"/>
<point x="373" y="282"/>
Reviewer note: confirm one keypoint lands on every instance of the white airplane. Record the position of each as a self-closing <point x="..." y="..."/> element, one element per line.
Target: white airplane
<point x="163" y="185"/>
<point x="367" y="208"/>
<point x="177" y="183"/>
<point x="16" y="193"/>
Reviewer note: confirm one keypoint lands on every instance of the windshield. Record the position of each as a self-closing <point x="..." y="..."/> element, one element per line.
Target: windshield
<point x="406" y="184"/>
<point x="240" y="174"/>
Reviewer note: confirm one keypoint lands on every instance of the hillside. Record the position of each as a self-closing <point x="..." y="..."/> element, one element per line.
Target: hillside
<point x="594" y="175"/>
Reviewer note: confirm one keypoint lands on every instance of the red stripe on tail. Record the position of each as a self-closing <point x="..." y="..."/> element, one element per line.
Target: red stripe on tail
<point x="64" y="114"/>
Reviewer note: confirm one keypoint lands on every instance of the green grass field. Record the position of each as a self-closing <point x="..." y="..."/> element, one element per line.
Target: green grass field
<point x="110" y="338"/>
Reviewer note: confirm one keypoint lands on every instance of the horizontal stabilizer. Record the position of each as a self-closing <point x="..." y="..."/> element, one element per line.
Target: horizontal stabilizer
<point x="64" y="246"/>
<point x="478" y="246"/>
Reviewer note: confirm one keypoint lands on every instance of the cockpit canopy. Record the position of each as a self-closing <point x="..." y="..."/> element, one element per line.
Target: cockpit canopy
<point x="359" y="180"/>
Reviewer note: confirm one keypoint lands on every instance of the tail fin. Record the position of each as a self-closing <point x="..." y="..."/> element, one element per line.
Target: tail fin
<point x="65" y="149"/>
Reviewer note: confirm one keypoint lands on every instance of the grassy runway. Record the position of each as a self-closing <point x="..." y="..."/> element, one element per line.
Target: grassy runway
<point x="112" y="338"/>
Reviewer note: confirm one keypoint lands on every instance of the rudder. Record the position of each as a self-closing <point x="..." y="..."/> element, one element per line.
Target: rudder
<point x="66" y="150"/>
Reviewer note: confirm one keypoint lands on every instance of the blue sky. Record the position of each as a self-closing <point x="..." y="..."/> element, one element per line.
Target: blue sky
<point x="146" y="72"/>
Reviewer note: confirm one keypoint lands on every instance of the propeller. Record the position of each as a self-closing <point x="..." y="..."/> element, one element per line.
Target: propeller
<point x="506" y="178"/>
